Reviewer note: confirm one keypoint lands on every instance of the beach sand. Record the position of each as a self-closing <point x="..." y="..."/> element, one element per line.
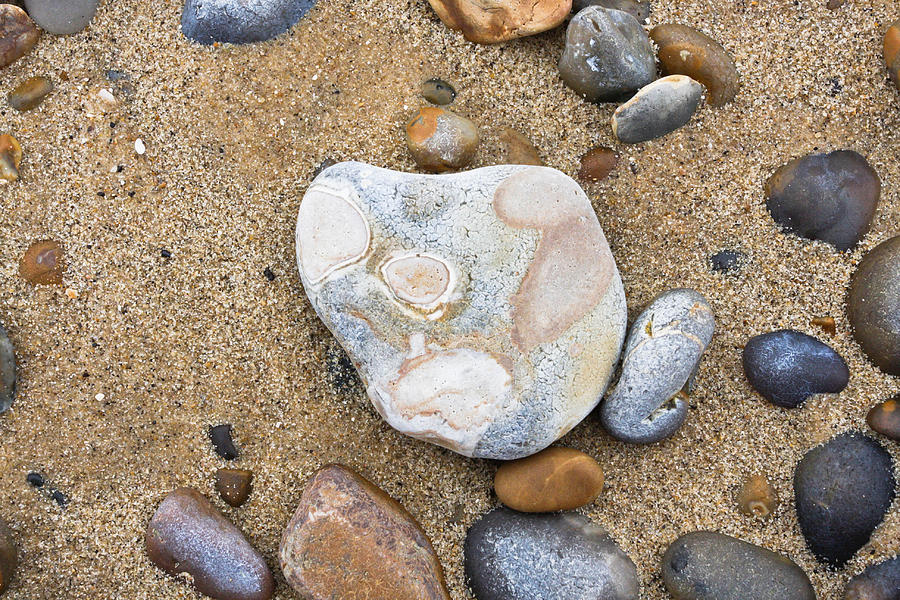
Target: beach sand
<point x="118" y="385"/>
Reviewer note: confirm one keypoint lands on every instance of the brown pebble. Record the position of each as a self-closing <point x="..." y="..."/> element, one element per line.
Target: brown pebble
<point x="30" y="93"/>
<point x="8" y="559"/>
<point x="597" y="164"/>
<point x="440" y="140"/>
<point x="834" y="4"/>
<point x="885" y="418"/>
<point x="234" y="485"/>
<point x="553" y="479"/>
<point x="43" y="264"/>
<point x="516" y="149"/>
<point x="757" y="497"/>
<point x="685" y="51"/>
<point x="827" y="324"/>
<point x="18" y="34"/>
<point x="892" y="52"/>
<point x="10" y="158"/>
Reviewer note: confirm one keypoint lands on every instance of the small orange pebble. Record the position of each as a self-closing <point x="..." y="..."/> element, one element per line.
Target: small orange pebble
<point x="827" y="324"/>
<point x="42" y="264"/>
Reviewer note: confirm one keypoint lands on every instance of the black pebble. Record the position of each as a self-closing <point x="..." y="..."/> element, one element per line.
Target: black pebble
<point x="726" y="260"/>
<point x="60" y="498"/>
<point x="269" y="274"/>
<point x="787" y="367"/>
<point x="35" y="479"/>
<point x="165" y="253"/>
<point x="220" y="436"/>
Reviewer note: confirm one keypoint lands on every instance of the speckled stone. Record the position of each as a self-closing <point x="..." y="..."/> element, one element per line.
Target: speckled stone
<point x="516" y="149"/>
<point x="757" y="497"/>
<point x="885" y="418"/>
<point x="880" y="581"/>
<point x="685" y="51"/>
<point x="348" y="535"/>
<point x="830" y="197"/>
<point x="43" y="263"/>
<point x="704" y="565"/>
<point x="553" y="479"/>
<point x="608" y="56"/>
<point x="438" y="91"/>
<point x="30" y="93"/>
<point x="240" y="21"/>
<point x="488" y="322"/>
<point x="597" y="164"/>
<point x="492" y="21"/>
<point x="18" y="34"/>
<point x="440" y="140"/>
<point x="62" y="17"/>
<point x="638" y="10"/>
<point x="8" y="557"/>
<point x="7" y="372"/>
<point x="657" y="109"/>
<point x="842" y="490"/>
<point x="892" y="52"/>
<point x="662" y="353"/>
<point x="786" y="367"/>
<point x="188" y="535"/>
<point x="513" y="556"/>
<point x="873" y="305"/>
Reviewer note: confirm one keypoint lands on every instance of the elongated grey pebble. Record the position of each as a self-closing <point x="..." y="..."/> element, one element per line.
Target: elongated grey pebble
<point x="7" y="372"/>
<point x="657" y="109"/>
<point x="240" y="21"/>
<point x="662" y="352"/>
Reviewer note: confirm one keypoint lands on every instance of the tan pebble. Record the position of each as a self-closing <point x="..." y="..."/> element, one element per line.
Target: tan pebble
<point x="757" y="497"/>
<point x="30" y="93"/>
<point x="492" y="21"/>
<point x="43" y="264"/>
<point x="234" y="485"/>
<point x="553" y="479"/>
<point x="516" y="149"/>
<point x="18" y="34"/>
<point x="685" y="51"/>
<point x="10" y="158"/>
<point x="597" y="164"/>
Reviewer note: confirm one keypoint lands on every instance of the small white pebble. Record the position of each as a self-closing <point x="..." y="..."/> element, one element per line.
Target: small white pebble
<point x="106" y="96"/>
<point x="100" y="397"/>
<point x="139" y="146"/>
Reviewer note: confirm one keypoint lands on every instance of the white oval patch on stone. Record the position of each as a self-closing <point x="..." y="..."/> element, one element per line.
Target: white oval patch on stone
<point x="331" y="232"/>
<point x="419" y="279"/>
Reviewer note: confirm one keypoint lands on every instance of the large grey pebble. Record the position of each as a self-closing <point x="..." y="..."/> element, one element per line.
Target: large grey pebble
<point x="662" y="352"/>
<point x="878" y="582"/>
<point x="608" y="55"/>
<point x="62" y="17"/>
<point x="705" y="565"/>
<point x="517" y="556"/>
<point x="657" y="109"/>
<point x="7" y="372"/>
<point x="640" y="10"/>
<point x="240" y="21"/>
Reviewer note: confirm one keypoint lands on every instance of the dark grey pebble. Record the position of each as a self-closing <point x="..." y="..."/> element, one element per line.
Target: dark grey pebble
<point x="517" y="556"/>
<point x="658" y="109"/>
<point x="35" y="479"/>
<point x="878" y="582"/>
<point x="705" y="565"/>
<point x="62" y="17"/>
<point x="438" y="91"/>
<point x="726" y="261"/>
<point x="7" y="372"/>
<point x="240" y="21"/>
<point x="842" y="490"/>
<point x="873" y="308"/>
<point x="638" y="10"/>
<point x="829" y="197"/>
<point x="220" y="436"/>
<point x="786" y="367"/>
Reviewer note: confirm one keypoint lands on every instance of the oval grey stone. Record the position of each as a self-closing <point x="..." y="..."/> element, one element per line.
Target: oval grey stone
<point x="7" y="372"/>
<point x="657" y="109"/>
<point x="662" y="353"/>
<point x="62" y="17"/>
<point x="878" y="582"/>
<point x="240" y="21"/>
<point x="705" y="565"/>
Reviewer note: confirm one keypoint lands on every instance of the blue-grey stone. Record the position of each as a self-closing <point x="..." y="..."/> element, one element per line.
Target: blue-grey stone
<point x="878" y="582"/>
<point x="7" y="371"/>
<point x="787" y="367"/>
<point x="61" y="17"/>
<point x="639" y="9"/>
<point x="240" y="21"/>
<point x="657" y="109"/>
<point x="517" y="556"/>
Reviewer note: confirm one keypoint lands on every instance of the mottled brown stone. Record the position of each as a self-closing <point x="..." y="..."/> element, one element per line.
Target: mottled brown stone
<point x="18" y="34"/>
<point x="492" y="21"/>
<point x="873" y="305"/>
<point x="757" y="497"/>
<point x="885" y="418"/>
<point x="685" y="51"/>
<point x="597" y="164"/>
<point x="43" y="264"/>
<point x="8" y="559"/>
<point x="10" y="158"/>
<point x="440" y="140"/>
<point x="516" y="149"/>
<point x="234" y="485"/>
<point x="347" y="535"/>
<point x="30" y="93"/>
<point x="553" y="479"/>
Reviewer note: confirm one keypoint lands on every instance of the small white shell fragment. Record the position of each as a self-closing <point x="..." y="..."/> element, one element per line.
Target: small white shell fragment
<point x="139" y="146"/>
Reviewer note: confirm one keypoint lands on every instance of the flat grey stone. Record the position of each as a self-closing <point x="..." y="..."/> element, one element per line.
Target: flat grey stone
<point x="7" y="372"/>
<point x="640" y="10"/>
<point x="240" y="21"/>
<point x="657" y="109"/>
<point x="62" y="17"/>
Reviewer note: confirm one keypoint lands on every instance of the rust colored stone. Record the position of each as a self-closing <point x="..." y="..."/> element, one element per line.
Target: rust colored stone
<point x="827" y="324"/>
<point x="18" y="34"/>
<point x="10" y="158"/>
<point x="892" y="52"/>
<point x="8" y="559"/>
<point x="349" y="535"/>
<point x="516" y="149"/>
<point x="553" y="479"/>
<point x="492" y="21"/>
<point x="757" y="497"/>
<point x="440" y="140"/>
<point x="685" y="51"/>
<point x="885" y="418"/>
<point x="234" y="485"/>
<point x="43" y="264"/>
<point x="597" y="164"/>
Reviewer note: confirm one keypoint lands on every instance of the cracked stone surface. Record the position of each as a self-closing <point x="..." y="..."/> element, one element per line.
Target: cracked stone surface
<point x="483" y="310"/>
<point x="240" y="21"/>
<point x="492" y="21"/>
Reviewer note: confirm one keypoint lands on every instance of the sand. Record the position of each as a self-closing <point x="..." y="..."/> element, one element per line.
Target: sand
<point x="119" y="383"/>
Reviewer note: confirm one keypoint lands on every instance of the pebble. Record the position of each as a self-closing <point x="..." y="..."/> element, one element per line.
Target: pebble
<point x="827" y="325"/>
<point x="220" y="436"/>
<point x="597" y="164"/>
<point x="349" y="535"/>
<point x="438" y="91"/>
<point x="842" y="490"/>
<point x="233" y="485"/>
<point x="892" y="52"/>
<point x="757" y="497"/>
<point x="440" y="140"/>
<point x="607" y="57"/>
<point x="8" y="558"/>
<point x="62" y="17"/>
<point x="10" y="158"/>
<point x="661" y="355"/>
<point x="240" y="21"/>
<point x="705" y="565"/>
<point x="885" y="418"/>
<point x="511" y="556"/>
<point x="438" y="304"/>
<point x="787" y="367"/>
<point x="726" y="261"/>
<point x="834" y="4"/>
<point x="7" y="372"/>
<point x="188" y="535"/>
<point x="553" y="479"/>
<point x="492" y="22"/>
<point x="830" y="197"/>
<point x="880" y="581"/>
<point x="30" y="93"/>
<point x="872" y="305"/>
<point x="638" y="10"/>
<point x="18" y="34"/>
<point x="685" y="51"/>
<point x="516" y="149"/>
<point x="43" y="264"/>
<point x="657" y="109"/>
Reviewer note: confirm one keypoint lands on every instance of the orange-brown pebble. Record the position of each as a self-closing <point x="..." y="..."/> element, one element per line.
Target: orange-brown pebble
<point x="440" y="140"/>
<point x="553" y="479"/>
<point x="516" y="149"/>
<point x="892" y="52"/>
<point x="597" y="164"/>
<point x="885" y="418"/>
<point x="685" y="51"/>
<point x="18" y="34"/>
<point x="30" y="93"/>
<point x="10" y="157"/>
<point x="234" y="485"/>
<point x="493" y="21"/>
<point x="757" y="497"/>
<point x="827" y="324"/>
<point x="43" y="264"/>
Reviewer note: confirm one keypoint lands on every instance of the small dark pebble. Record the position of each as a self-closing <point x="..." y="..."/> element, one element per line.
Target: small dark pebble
<point x="269" y="274"/>
<point x="834" y="4"/>
<point x="438" y="91"/>
<point x="726" y="261"/>
<point x="220" y="436"/>
<point x="234" y="485"/>
<point x="59" y="498"/>
<point x="878" y="582"/>
<point x="165" y="253"/>
<point x="35" y="479"/>
<point x="885" y="418"/>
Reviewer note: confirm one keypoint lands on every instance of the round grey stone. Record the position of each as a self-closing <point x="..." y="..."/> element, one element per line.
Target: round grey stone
<point x="240" y="21"/>
<point x="62" y="17"/>
<point x="7" y="372"/>
<point x="657" y="109"/>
